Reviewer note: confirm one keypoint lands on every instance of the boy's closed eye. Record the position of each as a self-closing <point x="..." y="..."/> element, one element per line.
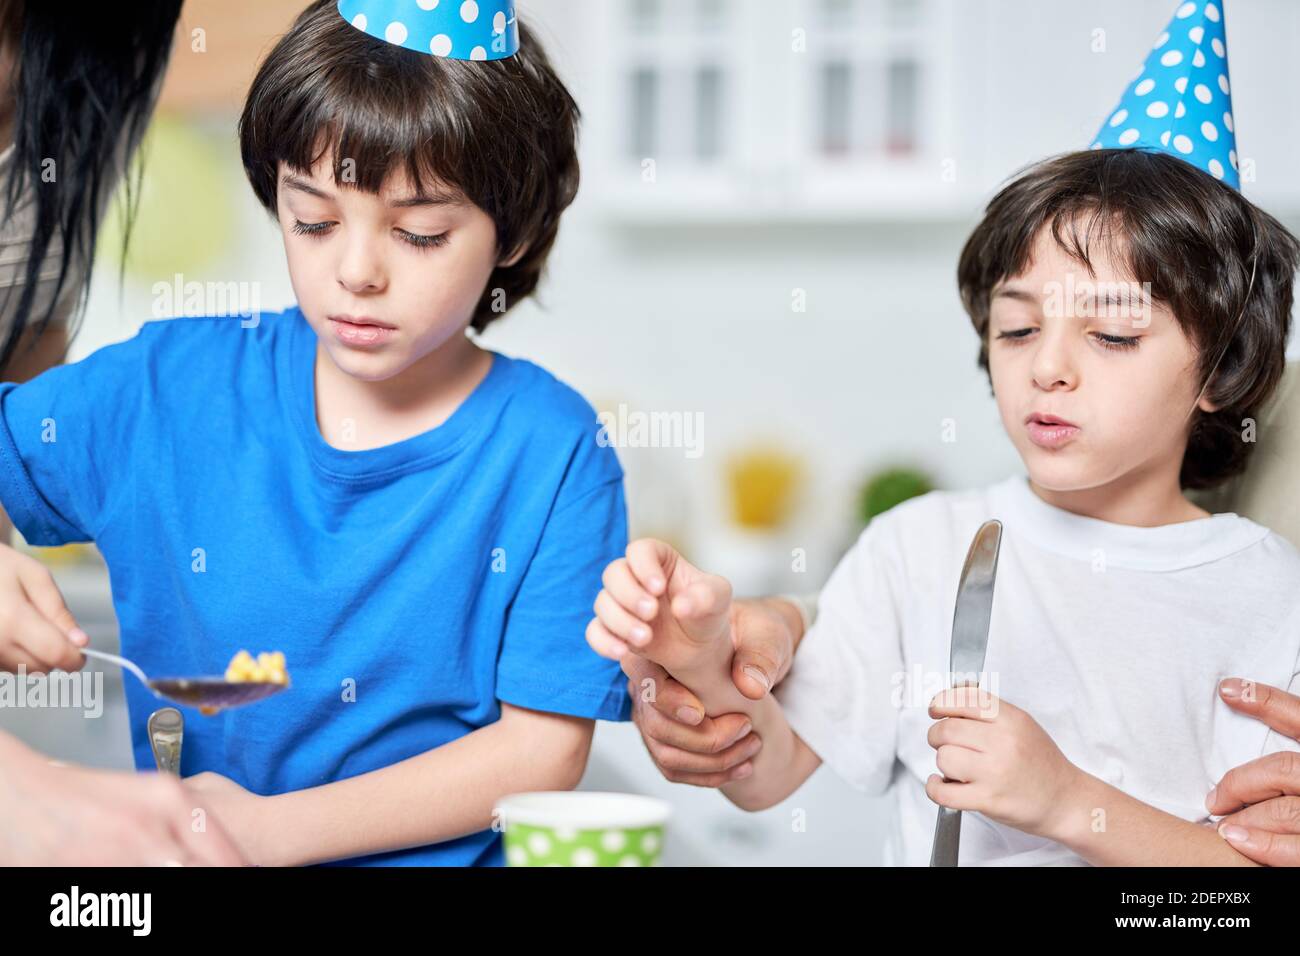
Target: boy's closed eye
<point x="314" y="209"/>
<point x="1104" y="339"/>
<point x="419" y="240"/>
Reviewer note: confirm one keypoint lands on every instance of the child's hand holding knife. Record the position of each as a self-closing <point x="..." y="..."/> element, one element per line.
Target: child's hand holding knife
<point x="998" y="761"/>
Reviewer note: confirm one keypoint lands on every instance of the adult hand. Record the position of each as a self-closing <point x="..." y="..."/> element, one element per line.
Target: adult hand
<point x="37" y="631"/>
<point x="686" y="745"/>
<point x="57" y="815"/>
<point x="1262" y="797"/>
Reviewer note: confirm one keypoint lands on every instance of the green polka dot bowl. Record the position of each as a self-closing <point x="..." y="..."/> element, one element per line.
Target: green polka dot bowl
<point x="580" y="828"/>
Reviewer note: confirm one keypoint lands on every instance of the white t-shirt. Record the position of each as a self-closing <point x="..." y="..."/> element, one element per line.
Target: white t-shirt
<point x="1112" y="637"/>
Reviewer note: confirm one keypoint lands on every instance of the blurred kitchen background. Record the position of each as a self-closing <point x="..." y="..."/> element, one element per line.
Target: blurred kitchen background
<point x="774" y="196"/>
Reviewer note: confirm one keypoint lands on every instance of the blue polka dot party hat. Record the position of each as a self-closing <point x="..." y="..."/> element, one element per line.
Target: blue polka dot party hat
<point x="1181" y="102"/>
<point x="457" y="29"/>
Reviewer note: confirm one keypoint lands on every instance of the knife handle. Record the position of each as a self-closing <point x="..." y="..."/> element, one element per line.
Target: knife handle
<point x="947" y="838"/>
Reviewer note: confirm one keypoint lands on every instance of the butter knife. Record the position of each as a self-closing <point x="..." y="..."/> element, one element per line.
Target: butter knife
<point x="166" y="730"/>
<point x="970" y="639"/>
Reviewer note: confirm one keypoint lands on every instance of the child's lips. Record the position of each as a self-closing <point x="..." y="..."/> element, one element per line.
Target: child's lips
<point x="359" y="334"/>
<point x="1050" y="434"/>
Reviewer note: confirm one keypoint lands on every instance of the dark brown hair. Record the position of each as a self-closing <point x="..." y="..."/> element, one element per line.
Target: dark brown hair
<point x="1194" y="239"/>
<point x="86" y="83"/>
<point x="502" y="132"/>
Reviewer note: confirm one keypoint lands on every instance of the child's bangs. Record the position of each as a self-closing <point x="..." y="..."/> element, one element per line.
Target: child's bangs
<point x="367" y="143"/>
<point x="1083" y="229"/>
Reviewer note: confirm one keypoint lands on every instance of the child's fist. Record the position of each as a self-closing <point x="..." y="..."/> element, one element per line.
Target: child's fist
<point x="37" y="631"/>
<point x="997" y="760"/>
<point x="658" y="605"/>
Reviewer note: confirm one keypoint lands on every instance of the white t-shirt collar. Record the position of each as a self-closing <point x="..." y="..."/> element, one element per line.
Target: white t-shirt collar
<point x="1168" y="547"/>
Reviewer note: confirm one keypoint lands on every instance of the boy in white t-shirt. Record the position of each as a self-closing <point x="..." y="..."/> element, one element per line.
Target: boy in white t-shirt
<point x="1133" y="315"/>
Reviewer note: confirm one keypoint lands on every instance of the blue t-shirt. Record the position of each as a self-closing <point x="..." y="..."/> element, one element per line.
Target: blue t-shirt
<point x="412" y="587"/>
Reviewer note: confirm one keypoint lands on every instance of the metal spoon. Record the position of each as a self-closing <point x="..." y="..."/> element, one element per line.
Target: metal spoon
<point x="210" y="694"/>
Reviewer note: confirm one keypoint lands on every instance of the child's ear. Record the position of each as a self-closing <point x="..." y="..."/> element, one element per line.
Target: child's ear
<point x="515" y="255"/>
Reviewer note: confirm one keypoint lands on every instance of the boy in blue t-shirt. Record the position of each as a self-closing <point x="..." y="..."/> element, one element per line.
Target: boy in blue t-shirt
<point x="418" y="523"/>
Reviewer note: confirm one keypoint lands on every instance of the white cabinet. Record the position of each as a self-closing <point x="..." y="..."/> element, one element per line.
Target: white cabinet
<point x="742" y="110"/>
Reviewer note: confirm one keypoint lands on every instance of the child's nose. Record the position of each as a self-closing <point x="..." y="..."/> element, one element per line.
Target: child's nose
<point x="1053" y="365"/>
<point x="361" y="269"/>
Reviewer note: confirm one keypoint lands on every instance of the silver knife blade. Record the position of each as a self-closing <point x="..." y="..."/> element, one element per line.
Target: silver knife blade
<point x="970" y="639"/>
<point x="970" y="617"/>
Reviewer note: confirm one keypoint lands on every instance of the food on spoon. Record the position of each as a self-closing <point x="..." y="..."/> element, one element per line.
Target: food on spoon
<point x="267" y="668"/>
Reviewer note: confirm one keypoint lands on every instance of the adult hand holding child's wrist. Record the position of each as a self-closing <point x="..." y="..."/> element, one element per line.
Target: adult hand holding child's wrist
<point x="763" y="633"/>
<point x="696" y="661"/>
<point x="756" y="654"/>
<point x="686" y="745"/>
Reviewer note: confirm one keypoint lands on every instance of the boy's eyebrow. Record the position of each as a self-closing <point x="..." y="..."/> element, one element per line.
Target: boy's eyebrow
<point x="427" y="199"/>
<point x="291" y="181"/>
<point x="1016" y="293"/>
<point x="1120" y="295"/>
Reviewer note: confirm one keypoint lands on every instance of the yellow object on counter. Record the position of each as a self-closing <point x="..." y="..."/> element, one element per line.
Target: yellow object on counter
<point x="267" y="668"/>
<point x="763" y="482"/>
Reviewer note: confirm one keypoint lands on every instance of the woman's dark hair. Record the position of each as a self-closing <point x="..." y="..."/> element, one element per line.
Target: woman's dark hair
<point x="1194" y="239"/>
<point x="502" y="132"/>
<point x="85" y="88"/>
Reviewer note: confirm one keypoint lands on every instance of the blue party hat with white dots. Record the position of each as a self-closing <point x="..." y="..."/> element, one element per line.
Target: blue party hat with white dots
<point x="468" y="30"/>
<point x="1181" y="102"/>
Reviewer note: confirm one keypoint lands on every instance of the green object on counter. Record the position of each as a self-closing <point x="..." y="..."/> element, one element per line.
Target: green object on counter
<point x="889" y="488"/>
